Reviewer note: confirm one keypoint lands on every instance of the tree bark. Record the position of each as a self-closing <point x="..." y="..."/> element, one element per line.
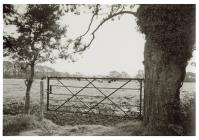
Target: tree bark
<point x="28" y="83"/>
<point x="163" y="80"/>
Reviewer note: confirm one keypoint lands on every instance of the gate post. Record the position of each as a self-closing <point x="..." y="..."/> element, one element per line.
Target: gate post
<point x="41" y="115"/>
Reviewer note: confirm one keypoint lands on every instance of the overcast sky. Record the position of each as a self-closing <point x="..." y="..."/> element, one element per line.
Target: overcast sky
<point x="117" y="46"/>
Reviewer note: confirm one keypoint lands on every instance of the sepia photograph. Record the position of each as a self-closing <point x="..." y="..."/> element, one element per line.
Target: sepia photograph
<point x="99" y="69"/>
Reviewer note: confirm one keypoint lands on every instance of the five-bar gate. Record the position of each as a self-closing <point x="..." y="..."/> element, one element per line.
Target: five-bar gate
<point x="86" y="95"/>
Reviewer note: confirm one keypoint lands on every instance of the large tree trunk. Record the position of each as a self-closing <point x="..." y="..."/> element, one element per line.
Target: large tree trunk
<point x="28" y="83"/>
<point x="163" y="81"/>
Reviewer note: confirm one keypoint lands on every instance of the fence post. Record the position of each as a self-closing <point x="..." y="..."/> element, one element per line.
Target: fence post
<point x="140" y="98"/>
<point x="48" y="92"/>
<point x="41" y="100"/>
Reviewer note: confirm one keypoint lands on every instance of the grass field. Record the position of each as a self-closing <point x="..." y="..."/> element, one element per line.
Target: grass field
<point x="14" y="89"/>
<point x="127" y="98"/>
<point x="13" y="99"/>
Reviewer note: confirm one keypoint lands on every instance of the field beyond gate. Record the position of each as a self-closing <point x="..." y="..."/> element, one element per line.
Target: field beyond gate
<point x="105" y="96"/>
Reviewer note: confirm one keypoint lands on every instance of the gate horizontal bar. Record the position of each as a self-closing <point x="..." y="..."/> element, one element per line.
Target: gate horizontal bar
<point x="77" y="95"/>
<point x="54" y="94"/>
<point x="95" y="108"/>
<point x="94" y="87"/>
<point x="89" y="113"/>
<point x="95" y="102"/>
<point x="105" y="78"/>
<point x="97" y="96"/>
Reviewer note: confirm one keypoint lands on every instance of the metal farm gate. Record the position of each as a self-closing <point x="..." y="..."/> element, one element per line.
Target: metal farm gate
<point x="86" y="95"/>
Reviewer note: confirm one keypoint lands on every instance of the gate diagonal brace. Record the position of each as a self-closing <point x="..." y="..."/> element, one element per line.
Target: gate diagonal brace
<point x="74" y="95"/>
<point x="66" y="101"/>
<point x="107" y="97"/>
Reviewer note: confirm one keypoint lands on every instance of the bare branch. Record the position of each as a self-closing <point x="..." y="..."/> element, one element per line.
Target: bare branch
<point x="93" y="33"/>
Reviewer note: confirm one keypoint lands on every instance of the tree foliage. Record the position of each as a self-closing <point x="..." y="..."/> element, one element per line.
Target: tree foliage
<point x="8" y="11"/>
<point x="39" y="34"/>
<point x="172" y="27"/>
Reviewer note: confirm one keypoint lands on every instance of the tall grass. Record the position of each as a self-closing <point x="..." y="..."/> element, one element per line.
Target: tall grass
<point x="12" y="125"/>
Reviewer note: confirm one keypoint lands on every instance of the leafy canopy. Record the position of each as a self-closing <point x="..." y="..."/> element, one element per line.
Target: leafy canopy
<point x="39" y="34"/>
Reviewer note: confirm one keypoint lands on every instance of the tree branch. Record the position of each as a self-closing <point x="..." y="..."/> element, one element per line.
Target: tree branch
<point x="95" y="13"/>
<point x="94" y="31"/>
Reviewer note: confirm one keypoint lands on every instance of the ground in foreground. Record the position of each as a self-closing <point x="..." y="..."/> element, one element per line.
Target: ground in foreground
<point x="28" y="125"/>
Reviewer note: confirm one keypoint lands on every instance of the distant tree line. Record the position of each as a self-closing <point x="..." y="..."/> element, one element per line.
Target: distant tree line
<point x="116" y="74"/>
<point x="15" y="70"/>
<point x="190" y="77"/>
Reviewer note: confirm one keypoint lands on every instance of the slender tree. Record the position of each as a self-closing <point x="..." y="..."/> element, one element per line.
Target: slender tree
<point x="39" y="34"/>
